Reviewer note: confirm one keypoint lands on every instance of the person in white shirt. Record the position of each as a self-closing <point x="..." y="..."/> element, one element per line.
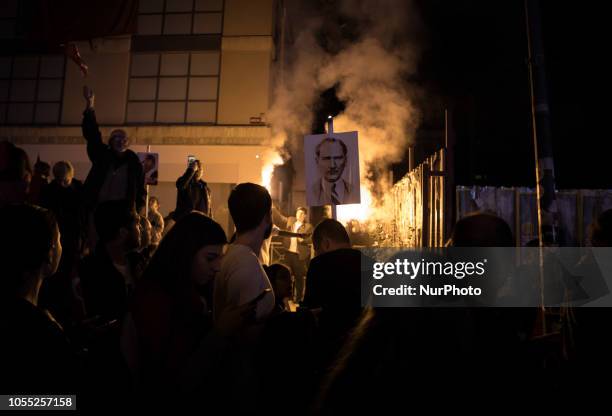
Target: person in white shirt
<point x="242" y="277"/>
<point x="298" y="253"/>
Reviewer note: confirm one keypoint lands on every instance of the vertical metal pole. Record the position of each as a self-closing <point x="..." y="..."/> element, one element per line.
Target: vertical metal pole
<point x="449" y="175"/>
<point x="330" y="130"/>
<point x="147" y="188"/>
<point x="282" y="44"/>
<point x="410" y="158"/>
<point x="542" y="141"/>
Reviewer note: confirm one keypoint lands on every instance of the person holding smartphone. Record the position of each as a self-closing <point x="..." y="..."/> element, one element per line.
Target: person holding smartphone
<point x="193" y="193"/>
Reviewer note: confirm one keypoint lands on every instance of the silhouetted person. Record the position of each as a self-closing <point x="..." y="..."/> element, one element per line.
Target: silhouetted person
<point x="116" y="172"/>
<point x="334" y="274"/>
<point x="35" y="355"/>
<point x="333" y="286"/>
<point x="282" y="284"/>
<point x="156" y="219"/>
<point x="242" y="277"/>
<point x="172" y="306"/>
<point x="110" y="273"/>
<point x="287" y="348"/>
<point x="63" y="197"/>
<point x="473" y="349"/>
<point x="192" y="193"/>
<point x="482" y="230"/>
<point x="107" y="280"/>
<point x="40" y="180"/>
<point x="168" y="222"/>
<point x="601" y="230"/>
<point x="242" y="280"/>
<point x="298" y="252"/>
<point x="15" y="174"/>
<point x="497" y="341"/>
<point x="592" y="336"/>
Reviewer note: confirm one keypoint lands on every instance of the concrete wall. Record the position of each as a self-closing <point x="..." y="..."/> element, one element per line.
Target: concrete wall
<point x="245" y="79"/>
<point x="248" y="17"/>
<point x="108" y="63"/>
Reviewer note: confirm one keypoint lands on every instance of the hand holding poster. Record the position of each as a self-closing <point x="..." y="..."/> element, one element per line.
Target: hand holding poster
<point x="332" y="169"/>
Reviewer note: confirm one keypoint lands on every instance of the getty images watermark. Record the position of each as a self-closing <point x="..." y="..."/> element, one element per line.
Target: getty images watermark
<point x="412" y="270"/>
<point x="486" y="277"/>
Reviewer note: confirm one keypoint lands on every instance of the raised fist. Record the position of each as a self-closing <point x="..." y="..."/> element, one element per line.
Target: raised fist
<point x="89" y="96"/>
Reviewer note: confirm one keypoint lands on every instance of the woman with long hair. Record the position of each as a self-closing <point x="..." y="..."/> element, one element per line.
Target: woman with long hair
<point x="170" y="312"/>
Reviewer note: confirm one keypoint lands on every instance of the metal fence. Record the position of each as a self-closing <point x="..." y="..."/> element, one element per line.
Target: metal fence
<point x="517" y="206"/>
<point x="421" y="211"/>
<point x="425" y="209"/>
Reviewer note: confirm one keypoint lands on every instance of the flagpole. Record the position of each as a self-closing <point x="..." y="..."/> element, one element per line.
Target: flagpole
<point x="542" y="140"/>
<point x="330" y="131"/>
<point x="147" y="188"/>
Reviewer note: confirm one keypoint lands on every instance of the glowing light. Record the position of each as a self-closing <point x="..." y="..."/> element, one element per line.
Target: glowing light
<point x="361" y="212"/>
<point x="270" y="159"/>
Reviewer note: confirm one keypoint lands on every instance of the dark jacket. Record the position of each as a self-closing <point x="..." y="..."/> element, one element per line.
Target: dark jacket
<point x="191" y="195"/>
<point x="35" y="355"/>
<point x="334" y="281"/>
<point x="65" y="203"/>
<point x="169" y="326"/>
<point x="103" y="158"/>
<point x="104" y="288"/>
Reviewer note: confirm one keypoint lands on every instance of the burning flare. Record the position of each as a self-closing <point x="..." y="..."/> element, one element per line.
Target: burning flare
<point x="360" y="212"/>
<point x="269" y="159"/>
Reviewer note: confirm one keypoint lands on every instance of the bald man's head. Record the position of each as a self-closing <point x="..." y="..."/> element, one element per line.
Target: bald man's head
<point x="328" y="236"/>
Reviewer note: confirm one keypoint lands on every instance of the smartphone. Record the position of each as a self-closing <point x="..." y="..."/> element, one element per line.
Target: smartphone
<point x="261" y="295"/>
<point x="191" y="159"/>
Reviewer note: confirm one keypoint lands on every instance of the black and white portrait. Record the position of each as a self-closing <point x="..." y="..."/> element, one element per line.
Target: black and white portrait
<point x="332" y="169"/>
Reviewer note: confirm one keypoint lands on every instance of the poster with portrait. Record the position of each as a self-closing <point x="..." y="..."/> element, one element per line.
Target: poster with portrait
<point x="332" y="169"/>
<point x="150" y="164"/>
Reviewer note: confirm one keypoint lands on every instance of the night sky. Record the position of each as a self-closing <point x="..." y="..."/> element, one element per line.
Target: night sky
<point x="474" y="62"/>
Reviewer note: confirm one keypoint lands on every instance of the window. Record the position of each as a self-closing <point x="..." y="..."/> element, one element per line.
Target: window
<point x="180" y="17"/>
<point x="175" y="88"/>
<point x="31" y="89"/>
<point x="9" y="11"/>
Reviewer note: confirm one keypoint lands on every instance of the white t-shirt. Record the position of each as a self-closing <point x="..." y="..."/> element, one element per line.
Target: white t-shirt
<point x="240" y="280"/>
<point x="293" y="246"/>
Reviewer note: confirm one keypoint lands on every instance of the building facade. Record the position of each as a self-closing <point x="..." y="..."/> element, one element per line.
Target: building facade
<point x="195" y="79"/>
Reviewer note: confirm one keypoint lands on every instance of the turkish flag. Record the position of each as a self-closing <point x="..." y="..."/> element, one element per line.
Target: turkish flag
<point x="72" y="52"/>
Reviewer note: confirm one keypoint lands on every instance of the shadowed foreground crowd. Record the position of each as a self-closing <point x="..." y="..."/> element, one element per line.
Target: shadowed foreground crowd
<point x="191" y="320"/>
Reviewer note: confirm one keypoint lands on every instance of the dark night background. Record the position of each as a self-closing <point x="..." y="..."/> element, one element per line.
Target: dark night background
<point x="477" y="60"/>
<point x="475" y="63"/>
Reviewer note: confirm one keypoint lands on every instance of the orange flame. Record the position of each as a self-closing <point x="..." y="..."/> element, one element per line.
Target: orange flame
<point x="270" y="159"/>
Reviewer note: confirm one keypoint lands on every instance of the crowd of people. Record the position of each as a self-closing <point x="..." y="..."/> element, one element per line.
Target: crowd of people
<point x="123" y="310"/>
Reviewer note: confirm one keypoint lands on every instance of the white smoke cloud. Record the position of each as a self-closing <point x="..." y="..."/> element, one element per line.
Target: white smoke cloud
<point x="370" y="74"/>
